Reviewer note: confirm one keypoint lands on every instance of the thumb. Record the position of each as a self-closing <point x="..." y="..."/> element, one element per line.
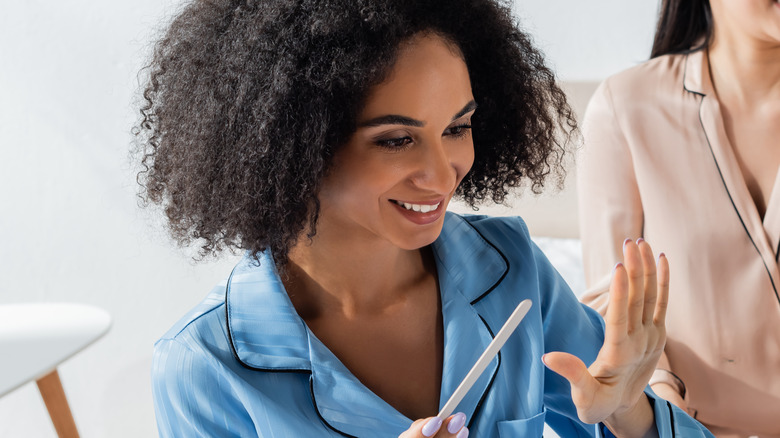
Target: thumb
<point x="584" y="387"/>
<point x="569" y="367"/>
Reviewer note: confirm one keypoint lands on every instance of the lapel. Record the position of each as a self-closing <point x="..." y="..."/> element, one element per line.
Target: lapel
<point x="267" y="334"/>
<point x="469" y="267"/>
<point x="765" y="239"/>
<point x="772" y="217"/>
<point x="264" y="329"/>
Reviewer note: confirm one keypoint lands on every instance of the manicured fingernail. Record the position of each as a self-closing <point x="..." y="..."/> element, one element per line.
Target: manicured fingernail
<point x="544" y="361"/>
<point x="431" y="427"/>
<point x="616" y="266"/>
<point x="661" y="255"/>
<point x="625" y="242"/>
<point x="457" y="422"/>
<point x="464" y="433"/>
<point x="640" y="240"/>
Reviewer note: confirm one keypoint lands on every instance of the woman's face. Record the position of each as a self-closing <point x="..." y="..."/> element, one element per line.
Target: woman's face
<point x="756" y="19"/>
<point x="394" y="178"/>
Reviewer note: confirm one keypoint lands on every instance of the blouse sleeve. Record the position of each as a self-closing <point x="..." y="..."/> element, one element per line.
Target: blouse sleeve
<point x="610" y="208"/>
<point x="190" y="398"/>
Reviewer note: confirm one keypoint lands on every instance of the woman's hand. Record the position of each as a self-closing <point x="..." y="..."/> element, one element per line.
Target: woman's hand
<point x="611" y="390"/>
<point x="452" y="427"/>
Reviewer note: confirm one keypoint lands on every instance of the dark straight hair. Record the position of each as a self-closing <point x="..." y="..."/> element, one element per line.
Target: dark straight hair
<point x="681" y="25"/>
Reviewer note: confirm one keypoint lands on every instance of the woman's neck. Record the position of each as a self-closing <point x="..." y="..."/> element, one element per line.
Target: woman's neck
<point x="330" y="274"/>
<point x="744" y="71"/>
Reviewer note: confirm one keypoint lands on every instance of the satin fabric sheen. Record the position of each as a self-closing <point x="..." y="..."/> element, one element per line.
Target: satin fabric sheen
<point x="243" y="363"/>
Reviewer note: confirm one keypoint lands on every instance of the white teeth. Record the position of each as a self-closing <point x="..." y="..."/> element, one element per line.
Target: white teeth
<point x="422" y="208"/>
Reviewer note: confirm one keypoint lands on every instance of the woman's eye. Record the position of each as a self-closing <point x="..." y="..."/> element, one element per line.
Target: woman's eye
<point x="394" y="143"/>
<point x="458" y="131"/>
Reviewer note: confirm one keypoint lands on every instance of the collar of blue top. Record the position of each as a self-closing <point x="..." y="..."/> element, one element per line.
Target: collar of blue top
<point x="267" y="334"/>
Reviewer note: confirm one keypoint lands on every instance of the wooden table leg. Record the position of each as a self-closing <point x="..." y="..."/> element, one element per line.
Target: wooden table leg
<point x="57" y="405"/>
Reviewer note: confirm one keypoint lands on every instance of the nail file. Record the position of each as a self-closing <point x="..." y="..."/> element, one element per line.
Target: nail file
<point x="509" y="326"/>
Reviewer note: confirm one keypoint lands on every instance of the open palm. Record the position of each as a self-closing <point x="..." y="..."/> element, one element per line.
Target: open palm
<point x="633" y="341"/>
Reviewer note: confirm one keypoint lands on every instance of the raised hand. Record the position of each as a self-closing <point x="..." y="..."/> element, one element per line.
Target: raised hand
<point x="611" y="389"/>
<point x="453" y="427"/>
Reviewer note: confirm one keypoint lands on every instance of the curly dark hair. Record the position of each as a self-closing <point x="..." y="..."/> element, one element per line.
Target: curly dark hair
<point x="247" y="101"/>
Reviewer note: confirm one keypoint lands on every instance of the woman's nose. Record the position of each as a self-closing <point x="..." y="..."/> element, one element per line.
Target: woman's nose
<point x="436" y="172"/>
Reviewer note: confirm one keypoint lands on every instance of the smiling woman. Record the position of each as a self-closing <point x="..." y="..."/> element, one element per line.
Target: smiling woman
<point x="248" y="101"/>
<point x="327" y="138"/>
<point x="410" y="151"/>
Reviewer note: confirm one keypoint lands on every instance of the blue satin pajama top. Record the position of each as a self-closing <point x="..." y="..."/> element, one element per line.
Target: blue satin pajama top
<point x="244" y="364"/>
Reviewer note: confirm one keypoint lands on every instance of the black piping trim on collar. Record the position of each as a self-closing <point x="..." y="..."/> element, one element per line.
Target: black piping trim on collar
<point x="317" y="409"/>
<point x="311" y="376"/>
<point x="233" y="346"/>
<point x="506" y="261"/>
<point x="272" y="370"/>
<point x="734" y="206"/>
<point x="492" y="378"/>
<point x="777" y="252"/>
<point x="227" y="319"/>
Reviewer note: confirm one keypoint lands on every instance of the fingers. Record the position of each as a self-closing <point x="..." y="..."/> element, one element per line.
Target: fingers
<point x="644" y="284"/>
<point x="616" y="317"/>
<point x="662" y="302"/>
<point x="570" y="367"/>
<point x="651" y="283"/>
<point x="453" y="427"/>
<point x="585" y="388"/>
<point x="636" y="283"/>
<point x="456" y="425"/>
<point x="414" y="430"/>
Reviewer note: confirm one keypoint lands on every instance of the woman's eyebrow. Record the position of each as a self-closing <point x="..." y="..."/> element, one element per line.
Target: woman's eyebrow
<point x="394" y="119"/>
<point x="471" y="106"/>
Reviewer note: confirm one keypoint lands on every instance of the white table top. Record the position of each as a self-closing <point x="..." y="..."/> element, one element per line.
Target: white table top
<point x="36" y="337"/>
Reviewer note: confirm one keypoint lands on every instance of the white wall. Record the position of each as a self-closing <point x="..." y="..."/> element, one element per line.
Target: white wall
<point x="70" y="227"/>
<point x="589" y="40"/>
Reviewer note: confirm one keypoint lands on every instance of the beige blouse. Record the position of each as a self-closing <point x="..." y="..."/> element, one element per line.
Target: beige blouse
<point x="657" y="164"/>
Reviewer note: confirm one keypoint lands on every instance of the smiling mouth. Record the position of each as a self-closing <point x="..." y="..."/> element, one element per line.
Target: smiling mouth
<point x="421" y="208"/>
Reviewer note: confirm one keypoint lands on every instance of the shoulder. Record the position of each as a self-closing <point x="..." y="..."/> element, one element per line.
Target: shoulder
<point x="201" y="333"/>
<point x="507" y="237"/>
<point x="500" y="231"/>
<point x="653" y="90"/>
<point x="639" y="88"/>
<point x="204" y="313"/>
<point x="529" y="274"/>
<point x="644" y="79"/>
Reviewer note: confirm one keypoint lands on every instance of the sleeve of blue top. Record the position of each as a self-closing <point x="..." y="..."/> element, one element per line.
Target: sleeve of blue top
<point x="189" y="399"/>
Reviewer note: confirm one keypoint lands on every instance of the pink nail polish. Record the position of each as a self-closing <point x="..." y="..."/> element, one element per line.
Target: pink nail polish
<point x="640" y="240"/>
